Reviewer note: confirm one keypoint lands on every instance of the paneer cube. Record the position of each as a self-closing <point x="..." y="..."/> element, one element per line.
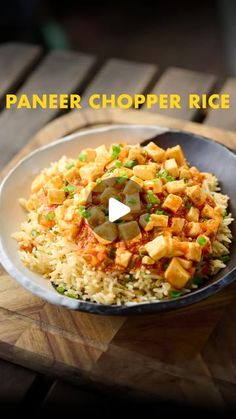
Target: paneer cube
<point x="177" y="154"/>
<point x="137" y="180"/>
<point x="193" y="229"/>
<point x="158" y="248"/>
<point x="184" y="173"/>
<point x="135" y="153"/>
<point x="145" y="172"/>
<point x="176" y="275"/>
<point x="106" y="232"/>
<point x="159" y="220"/>
<point x="193" y="214"/>
<point x="55" y="196"/>
<point x="154" y="152"/>
<point x="90" y="154"/>
<point x="194" y="251"/>
<point x="177" y="225"/>
<point x="211" y="226"/>
<point x="131" y="187"/>
<point x="123" y="257"/>
<point x="96" y="217"/>
<point x="177" y="186"/>
<point x="208" y="212"/>
<point x="187" y="264"/>
<point x="91" y="171"/>
<point x="108" y="193"/>
<point x="145" y="222"/>
<point x="146" y="260"/>
<point x="172" y="202"/>
<point x="171" y="166"/>
<point x="129" y="230"/>
<point x="85" y="194"/>
<point x="196" y="194"/>
<point x="155" y="185"/>
<point x="133" y="201"/>
<point x="71" y="174"/>
<point x="102" y="155"/>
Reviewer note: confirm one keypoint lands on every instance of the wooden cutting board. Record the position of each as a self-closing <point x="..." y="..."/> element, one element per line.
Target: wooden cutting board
<point x="180" y="355"/>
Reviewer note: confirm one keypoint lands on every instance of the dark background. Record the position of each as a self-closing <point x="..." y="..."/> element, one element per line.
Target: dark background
<point x="198" y="35"/>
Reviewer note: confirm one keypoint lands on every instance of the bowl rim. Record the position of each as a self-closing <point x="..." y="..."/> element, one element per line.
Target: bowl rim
<point x="53" y="297"/>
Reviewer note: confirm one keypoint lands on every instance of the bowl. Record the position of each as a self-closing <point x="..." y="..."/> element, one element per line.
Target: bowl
<point x="206" y="154"/>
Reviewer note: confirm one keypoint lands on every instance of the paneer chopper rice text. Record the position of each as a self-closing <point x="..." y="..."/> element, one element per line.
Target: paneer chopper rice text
<point x="180" y="220"/>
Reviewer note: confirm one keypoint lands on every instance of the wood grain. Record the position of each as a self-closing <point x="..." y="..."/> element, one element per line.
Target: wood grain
<point x="60" y="72"/>
<point x="15" y="61"/>
<point x="120" y="76"/>
<point x="146" y="355"/>
<point x="182" y="82"/>
<point x="224" y="118"/>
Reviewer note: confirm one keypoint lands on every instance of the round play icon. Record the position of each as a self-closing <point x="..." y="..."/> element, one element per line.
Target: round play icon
<point x="113" y="208"/>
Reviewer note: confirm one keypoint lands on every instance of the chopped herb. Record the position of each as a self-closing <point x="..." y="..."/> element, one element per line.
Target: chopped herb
<point x="98" y="181"/>
<point x="105" y="210"/>
<point x="50" y="216"/>
<point x="60" y="289"/>
<point x="112" y="253"/>
<point x="175" y="294"/>
<point x="34" y="233"/>
<point x="147" y="217"/>
<point x="82" y="157"/>
<point x="142" y="252"/>
<point x="110" y="170"/>
<point x="84" y="212"/>
<point x="224" y="213"/>
<point x="197" y="280"/>
<point x="69" y="188"/>
<point x="132" y="201"/>
<point x="70" y="165"/>
<point x="188" y="205"/>
<point x="201" y="240"/>
<point x="159" y="212"/>
<point x="149" y="207"/>
<point x="56" y="232"/>
<point x="153" y="198"/>
<point x="165" y="266"/>
<point x="164" y="174"/>
<point x="115" y="151"/>
<point x="117" y="197"/>
<point x="128" y="278"/>
<point x="130" y="163"/>
<point x="118" y="163"/>
<point x="71" y="294"/>
<point x="122" y="179"/>
<point x="225" y="258"/>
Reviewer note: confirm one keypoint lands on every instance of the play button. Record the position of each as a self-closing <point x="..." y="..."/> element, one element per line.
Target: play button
<point x="113" y="207"/>
<point x="116" y="210"/>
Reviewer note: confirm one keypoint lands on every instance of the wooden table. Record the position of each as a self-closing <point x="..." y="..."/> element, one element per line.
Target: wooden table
<point x="185" y="356"/>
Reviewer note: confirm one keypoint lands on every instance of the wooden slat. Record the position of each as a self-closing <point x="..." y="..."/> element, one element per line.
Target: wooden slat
<point x="15" y="382"/>
<point x="60" y="72"/>
<point x="15" y="60"/>
<point x="120" y="76"/>
<point x="224" y="118"/>
<point x="182" y="82"/>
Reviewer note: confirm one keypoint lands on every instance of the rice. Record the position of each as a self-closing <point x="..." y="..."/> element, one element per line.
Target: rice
<point x="56" y="257"/>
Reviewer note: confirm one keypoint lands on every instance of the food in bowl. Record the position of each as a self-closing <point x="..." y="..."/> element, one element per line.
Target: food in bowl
<point x="176" y="235"/>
